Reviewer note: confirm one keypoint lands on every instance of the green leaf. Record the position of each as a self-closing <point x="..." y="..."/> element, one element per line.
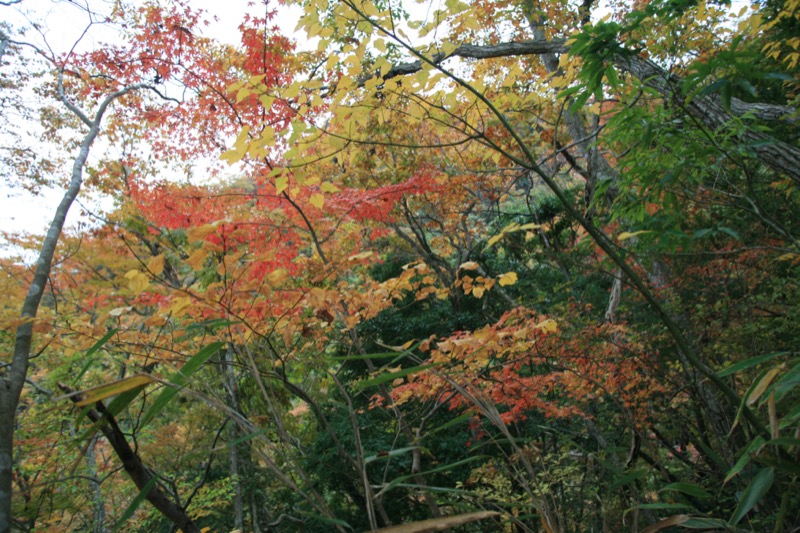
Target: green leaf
<point x="749" y="363"/>
<point x="784" y="441"/>
<point x="566" y="93"/>
<point x="180" y="379"/>
<point x="789" y="381"/>
<point x="391" y="376"/>
<point x="688" y="488"/>
<point x="611" y="76"/>
<point x="99" y="344"/>
<point x="627" y="478"/>
<point x="756" y="489"/>
<point x="137" y="501"/>
<point x="754" y="445"/>
<point x="785" y="466"/>
<point x="663" y="506"/>
<point x="326" y="519"/>
<point x="726" y="93"/>
<point x="364" y="357"/>
<point x="91" y="351"/>
<point x="121" y="401"/>
<point x="396" y="481"/>
<point x="705" y="523"/>
<point x="440" y="524"/>
<point x="452" y="422"/>
<point x="388" y="454"/>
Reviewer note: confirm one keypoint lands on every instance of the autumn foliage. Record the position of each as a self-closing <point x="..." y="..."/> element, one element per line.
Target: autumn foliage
<point x="502" y="280"/>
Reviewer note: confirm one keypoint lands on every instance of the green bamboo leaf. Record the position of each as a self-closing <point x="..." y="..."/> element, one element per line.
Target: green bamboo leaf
<point x="398" y="480"/>
<point x="788" y="381"/>
<point x="671" y="506"/>
<point x="756" y="489"/>
<point x="743" y="461"/>
<point x="450" y="423"/>
<point x="439" y="524"/>
<point x="137" y="501"/>
<point x="389" y="453"/>
<point x="749" y="363"/>
<point x="706" y="524"/>
<point x="784" y="441"/>
<point x="786" y="466"/>
<point x="391" y="376"/>
<point x="91" y="351"/>
<point x="179" y="380"/>
<point x="688" y="488"/>
<point x="326" y="519"/>
<point x="627" y="478"/>
<point x="99" y="344"/>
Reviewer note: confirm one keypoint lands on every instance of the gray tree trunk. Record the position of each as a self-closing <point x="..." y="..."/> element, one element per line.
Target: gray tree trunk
<point x="12" y="375"/>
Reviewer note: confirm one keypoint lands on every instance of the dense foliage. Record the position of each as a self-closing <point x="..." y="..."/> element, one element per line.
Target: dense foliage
<point x="494" y="266"/>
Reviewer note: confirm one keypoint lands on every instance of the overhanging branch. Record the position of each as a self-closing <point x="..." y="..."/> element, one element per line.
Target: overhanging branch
<point x="708" y="109"/>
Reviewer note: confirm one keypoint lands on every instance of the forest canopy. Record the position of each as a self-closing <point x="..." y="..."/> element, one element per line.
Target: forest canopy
<point x="512" y="265"/>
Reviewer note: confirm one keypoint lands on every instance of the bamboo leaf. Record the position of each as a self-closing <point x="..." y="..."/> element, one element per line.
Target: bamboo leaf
<point x="749" y="363"/>
<point x="108" y="390"/>
<point x="391" y="376"/>
<point x="440" y="524"/>
<point x="180" y="379"/>
<point x="755" y="490"/>
<point x="688" y="488"/>
<point x="137" y="501"/>
<point x="674" y="520"/>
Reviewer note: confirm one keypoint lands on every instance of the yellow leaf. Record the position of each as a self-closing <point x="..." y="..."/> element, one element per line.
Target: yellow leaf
<point x="529" y="226"/>
<point x="627" y="235"/>
<point x="199" y="233"/>
<point x="509" y="278"/>
<point x="358" y="257"/>
<point x="178" y="305"/>
<point x="337" y="142"/>
<point x="266" y="101"/>
<point x="102" y="392"/>
<point x="494" y="240"/>
<point x="281" y="183"/>
<point x="230" y="156"/>
<point x="137" y="281"/>
<point x="469" y="265"/>
<point x="156" y="265"/>
<point x="329" y="187"/>
<point x="197" y="259"/>
<point x="277" y="276"/>
<point x="317" y="200"/>
<point x="762" y="385"/>
<point x="478" y="291"/>
<point x="549" y="325"/>
<point x="291" y="91"/>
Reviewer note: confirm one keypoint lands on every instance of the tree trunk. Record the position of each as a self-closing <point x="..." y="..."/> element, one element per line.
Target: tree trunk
<point x="229" y="379"/>
<point x="12" y="376"/>
<point x="136" y="469"/>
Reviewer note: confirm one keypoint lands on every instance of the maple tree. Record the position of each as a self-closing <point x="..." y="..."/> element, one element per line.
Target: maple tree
<point x="547" y="279"/>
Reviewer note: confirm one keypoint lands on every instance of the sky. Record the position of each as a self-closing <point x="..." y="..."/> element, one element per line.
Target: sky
<point x="62" y="24"/>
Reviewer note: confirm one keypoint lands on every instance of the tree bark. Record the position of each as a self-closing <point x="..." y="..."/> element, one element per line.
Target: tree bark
<point x="12" y="375"/>
<point x="134" y="466"/>
<point x="231" y="391"/>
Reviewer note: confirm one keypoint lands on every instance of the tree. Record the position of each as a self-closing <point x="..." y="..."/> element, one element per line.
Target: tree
<point x="162" y="47"/>
<point x="527" y="273"/>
